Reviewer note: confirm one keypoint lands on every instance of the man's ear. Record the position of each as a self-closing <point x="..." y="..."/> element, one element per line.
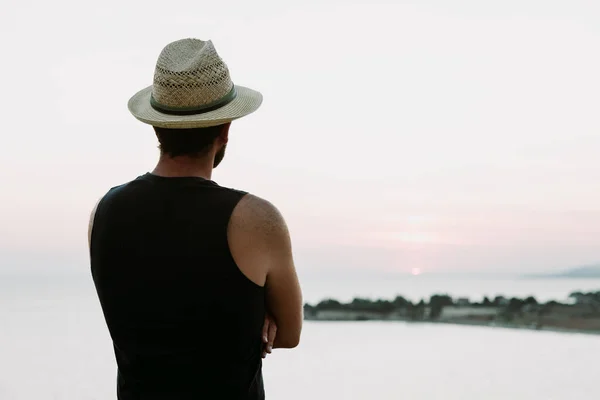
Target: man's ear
<point x="224" y="135"/>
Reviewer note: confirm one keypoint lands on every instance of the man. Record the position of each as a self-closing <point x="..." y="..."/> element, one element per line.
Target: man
<point x="193" y="278"/>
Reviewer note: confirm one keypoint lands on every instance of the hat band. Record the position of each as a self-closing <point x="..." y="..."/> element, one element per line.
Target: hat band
<point x="223" y="101"/>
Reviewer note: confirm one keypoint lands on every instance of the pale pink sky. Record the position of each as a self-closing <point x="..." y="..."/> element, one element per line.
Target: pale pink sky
<point x="421" y="134"/>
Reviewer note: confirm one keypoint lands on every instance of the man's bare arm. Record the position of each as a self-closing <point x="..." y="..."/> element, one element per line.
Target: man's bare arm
<point x="284" y="296"/>
<point x="260" y="244"/>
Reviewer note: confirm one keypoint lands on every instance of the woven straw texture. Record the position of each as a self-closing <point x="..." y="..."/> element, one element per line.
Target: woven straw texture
<point x="189" y="73"/>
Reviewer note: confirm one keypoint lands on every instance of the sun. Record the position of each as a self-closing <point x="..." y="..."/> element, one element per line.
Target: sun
<point x="416" y="272"/>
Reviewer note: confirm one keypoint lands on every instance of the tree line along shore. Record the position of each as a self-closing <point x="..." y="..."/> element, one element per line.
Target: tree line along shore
<point x="581" y="313"/>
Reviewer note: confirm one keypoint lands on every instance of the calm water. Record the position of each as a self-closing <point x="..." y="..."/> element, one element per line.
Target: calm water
<point x="54" y="345"/>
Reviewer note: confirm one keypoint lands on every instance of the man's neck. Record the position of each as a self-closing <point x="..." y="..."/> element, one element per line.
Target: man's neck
<point x="184" y="166"/>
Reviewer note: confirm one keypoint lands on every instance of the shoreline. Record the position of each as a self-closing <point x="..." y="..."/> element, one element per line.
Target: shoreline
<point x="580" y="315"/>
<point x="483" y="324"/>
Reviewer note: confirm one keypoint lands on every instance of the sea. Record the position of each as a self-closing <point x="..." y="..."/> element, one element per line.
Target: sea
<point x="54" y="345"/>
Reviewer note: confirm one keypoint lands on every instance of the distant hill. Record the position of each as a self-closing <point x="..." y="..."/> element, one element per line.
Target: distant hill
<point x="587" y="272"/>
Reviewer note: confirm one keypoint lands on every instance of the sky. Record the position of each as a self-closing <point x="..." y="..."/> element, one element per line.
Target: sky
<point x="394" y="137"/>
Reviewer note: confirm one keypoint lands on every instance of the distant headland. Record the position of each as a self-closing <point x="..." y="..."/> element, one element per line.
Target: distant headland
<point x="581" y="314"/>
<point x="586" y="272"/>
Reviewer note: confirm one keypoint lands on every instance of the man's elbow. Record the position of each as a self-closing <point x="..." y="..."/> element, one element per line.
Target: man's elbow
<point x="289" y="342"/>
<point x="288" y="339"/>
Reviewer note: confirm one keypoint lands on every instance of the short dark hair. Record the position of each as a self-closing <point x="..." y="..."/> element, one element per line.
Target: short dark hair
<point x="193" y="142"/>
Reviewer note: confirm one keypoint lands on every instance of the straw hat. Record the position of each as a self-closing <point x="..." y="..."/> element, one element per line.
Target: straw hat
<point x="192" y="89"/>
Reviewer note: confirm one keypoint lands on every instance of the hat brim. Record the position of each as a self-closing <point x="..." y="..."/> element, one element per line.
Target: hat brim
<point x="246" y="102"/>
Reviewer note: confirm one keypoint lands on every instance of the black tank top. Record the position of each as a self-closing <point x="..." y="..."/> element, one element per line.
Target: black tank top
<point x="185" y="321"/>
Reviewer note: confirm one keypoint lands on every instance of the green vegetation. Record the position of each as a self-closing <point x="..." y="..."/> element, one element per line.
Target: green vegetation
<point x="582" y="313"/>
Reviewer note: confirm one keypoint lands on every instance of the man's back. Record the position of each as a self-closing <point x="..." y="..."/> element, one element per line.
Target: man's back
<point x="184" y="319"/>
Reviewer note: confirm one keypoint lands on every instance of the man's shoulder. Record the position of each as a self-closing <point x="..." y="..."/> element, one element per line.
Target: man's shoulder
<point x="255" y="214"/>
<point x="230" y="189"/>
<point x="122" y="189"/>
<point x="112" y="193"/>
<point x="257" y="236"/>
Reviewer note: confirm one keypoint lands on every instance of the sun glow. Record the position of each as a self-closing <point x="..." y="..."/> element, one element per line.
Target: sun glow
<point x="416" y="272"/>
